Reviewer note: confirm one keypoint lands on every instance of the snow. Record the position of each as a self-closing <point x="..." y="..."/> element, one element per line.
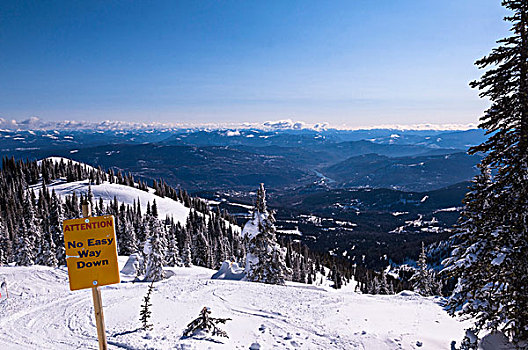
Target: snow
<point x="251" y="228"/>
<point x="499" y="259"/>
<point x="230" y="133"/>
<point x="124" y="194"/>
<point x="294" y="232"/>
<point x="66" y="160"/>
<point x="131" y="265"/>
<point x="230" y="271"/>
<point x="241" y="205"/>
<point x="451" y="209"/>
<point x="495" y="341"/>
<point x="42" y="313"/>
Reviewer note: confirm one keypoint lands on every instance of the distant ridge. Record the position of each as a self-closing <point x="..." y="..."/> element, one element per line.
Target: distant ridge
<point x="35" y="123"/>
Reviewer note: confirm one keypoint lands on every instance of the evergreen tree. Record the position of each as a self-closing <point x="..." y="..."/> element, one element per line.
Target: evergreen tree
<point x="47" y="252"/>
<point x="154" y="209"/>
<point x="145" y="313"/>
<point x="489" y="261"/>
<point x="33" y="233"/>
<point x="128" y="244"/>
<point x="423" y="280"/>
<point x="3" y="253"/>
<point x="186" y="252"/>
<point x="200" y="252"/>
<point x="336" y="278"/>
<point x="55" y="228"/>
<point x="154" y="258"/>
<point x="25" y="250"/>
<point x="265" y="259"/>
<point x="206" y="323"/>
<point x="5" y="246"/>
<point x="172" y="254"/>
<point x="384" y="284"/>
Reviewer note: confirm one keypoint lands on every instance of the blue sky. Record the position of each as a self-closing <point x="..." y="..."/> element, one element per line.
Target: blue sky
<point x="351" y="63"/>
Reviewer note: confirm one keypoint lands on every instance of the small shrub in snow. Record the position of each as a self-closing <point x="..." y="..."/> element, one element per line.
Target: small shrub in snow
<point x="145" y="312"/>
<point x="207" y="324"/>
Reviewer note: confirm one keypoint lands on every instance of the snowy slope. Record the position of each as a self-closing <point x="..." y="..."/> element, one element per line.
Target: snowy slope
<point x="125" y="194"/>
<point x="42" y="313"/>
<point x="66" y="161"/>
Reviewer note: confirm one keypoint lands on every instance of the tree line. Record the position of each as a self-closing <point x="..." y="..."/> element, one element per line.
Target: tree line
<point x="31" y="218"/>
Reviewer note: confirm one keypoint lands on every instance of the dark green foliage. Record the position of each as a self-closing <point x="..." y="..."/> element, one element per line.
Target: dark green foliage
<point x="489" y="260"/>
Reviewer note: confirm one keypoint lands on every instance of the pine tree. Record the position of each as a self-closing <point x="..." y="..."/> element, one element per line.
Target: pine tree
<point x="265" y="259"/>
<point x="5" y="246"/>
<point x="206" y="323"/>
<point x="55" y="228"/>
<point x="154" y="258"/>
<point x="47" y="252"/>
<point x="145" y="313"/>
<point x="25" y="250"/>
<point x="128" y="244"/>
<point x="3" y="253"/>
<point x="186" y="252"/>
<point x="200" y="252"/>
<point x="154" y="209"/>
<point x="172" y="254"/>
<point x="489" y="261"/>
<point x="33" y="233"/>
<point x="423" y="280"/>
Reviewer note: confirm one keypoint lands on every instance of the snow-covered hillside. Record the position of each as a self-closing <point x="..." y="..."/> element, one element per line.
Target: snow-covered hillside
<point x="41" y="313"/>
<point x="124" y="194"/>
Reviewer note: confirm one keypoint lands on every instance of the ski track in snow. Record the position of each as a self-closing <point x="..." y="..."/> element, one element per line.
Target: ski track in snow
<point x="42" y="313"/>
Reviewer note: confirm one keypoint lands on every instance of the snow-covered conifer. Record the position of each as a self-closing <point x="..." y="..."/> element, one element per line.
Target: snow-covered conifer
<point x="33" y="230"/>
<point x="265" y="259"/>
<point x="55" y="228"/>
<point x="200" y="251"/>
<point x="172" y="255"/>
<point x="48" y="254"/>
<point x="489" y="260"/>
<point x="186" y="252"/>
<point x="128" y="244"/>
<point x="154" y="258"/>
<point x="423" y="280"/>
<point x="25" y="250"/>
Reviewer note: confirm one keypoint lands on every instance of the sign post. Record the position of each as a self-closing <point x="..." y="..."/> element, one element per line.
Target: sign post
<point x="91" y="256"/>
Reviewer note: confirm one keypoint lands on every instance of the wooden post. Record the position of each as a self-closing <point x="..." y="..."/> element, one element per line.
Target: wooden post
<point x="96" y="294"/>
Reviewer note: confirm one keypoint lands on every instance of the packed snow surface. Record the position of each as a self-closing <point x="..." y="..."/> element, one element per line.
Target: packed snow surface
<point x="42" y="313"/>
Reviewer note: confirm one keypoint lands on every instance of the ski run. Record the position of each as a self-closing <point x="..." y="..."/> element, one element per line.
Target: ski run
<point x="42" y="313"/>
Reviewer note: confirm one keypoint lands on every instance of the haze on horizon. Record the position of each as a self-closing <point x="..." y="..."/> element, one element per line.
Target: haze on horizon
<point x="349" y="63"/>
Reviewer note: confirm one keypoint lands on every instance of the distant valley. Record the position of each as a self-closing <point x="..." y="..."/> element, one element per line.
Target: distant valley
<point x="367" y="195"/>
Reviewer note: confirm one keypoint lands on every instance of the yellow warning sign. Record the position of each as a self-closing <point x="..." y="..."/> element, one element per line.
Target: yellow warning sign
<point x="91" y="251"/>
